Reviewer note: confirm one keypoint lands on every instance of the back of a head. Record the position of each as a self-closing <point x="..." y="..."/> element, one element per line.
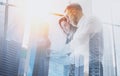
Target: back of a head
<point x="74" y="6"/>
<point x="74" y="10"/>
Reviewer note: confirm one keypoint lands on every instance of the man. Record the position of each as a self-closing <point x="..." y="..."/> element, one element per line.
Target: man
<point x="87" y="30"/>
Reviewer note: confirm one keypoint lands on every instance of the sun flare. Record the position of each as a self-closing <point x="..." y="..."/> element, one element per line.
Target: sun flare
<point x="38" y="14"/>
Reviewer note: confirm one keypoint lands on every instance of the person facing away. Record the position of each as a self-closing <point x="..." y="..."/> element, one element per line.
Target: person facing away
<point x="87" y="28"/>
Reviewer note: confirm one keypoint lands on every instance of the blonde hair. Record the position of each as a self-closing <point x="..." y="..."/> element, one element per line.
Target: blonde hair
<point x="74" y="11"/>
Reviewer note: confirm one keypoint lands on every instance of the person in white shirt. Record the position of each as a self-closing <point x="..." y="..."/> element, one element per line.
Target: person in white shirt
<point x="87" y="28"/>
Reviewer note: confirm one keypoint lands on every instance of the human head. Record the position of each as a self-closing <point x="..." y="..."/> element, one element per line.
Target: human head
<point x="74" y="13"/>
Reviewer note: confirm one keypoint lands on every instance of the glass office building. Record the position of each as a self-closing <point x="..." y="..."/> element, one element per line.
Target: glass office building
<point x="16" y="37"/>
<point x="22" y="62"/>
<point x="11" y="35"/>
<point x="10" y="61"/>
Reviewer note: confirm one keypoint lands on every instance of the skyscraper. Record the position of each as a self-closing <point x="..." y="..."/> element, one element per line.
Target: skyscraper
<point x="11" y="34"/>
<point x="1" y="33"/>
<point x="80" y="71"/>
<point x="95" y="55"/>
<point x="9" y="62"/>
<point x="2" y="14"/>
<point x="41" y="64"/>
<point x="71" y="70"/>
<point x="23" y="54"/>
<point x="39" y="50"/>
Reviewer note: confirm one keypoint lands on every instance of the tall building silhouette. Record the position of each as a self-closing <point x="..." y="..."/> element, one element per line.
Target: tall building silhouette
<point x="9" y="60"/>
<point x="95" y="55"/>
<point x="39" y="50"/>
<point x="22" y="61"/>
<point x="41" y="64"/>
<point x="10" y="40"/>
<point x="2" y="14"/>
<point x="77" y="71"/>
<point x="80" y="71"/>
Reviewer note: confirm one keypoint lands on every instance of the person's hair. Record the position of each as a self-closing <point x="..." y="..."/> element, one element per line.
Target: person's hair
<point x="74" y="11"/>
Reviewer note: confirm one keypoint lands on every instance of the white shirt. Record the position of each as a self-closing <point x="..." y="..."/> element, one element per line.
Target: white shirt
<point x="79" y="45"/>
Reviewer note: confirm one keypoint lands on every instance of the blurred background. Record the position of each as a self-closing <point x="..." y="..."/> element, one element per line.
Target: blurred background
<point x="24" y="24"/>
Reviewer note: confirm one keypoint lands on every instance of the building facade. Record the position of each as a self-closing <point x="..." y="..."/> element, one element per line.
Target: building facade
<point x="96" y="55"/>
<point x="41" y="64"/>
<point x="9" y="62"/>
<point x="23" y="54"/>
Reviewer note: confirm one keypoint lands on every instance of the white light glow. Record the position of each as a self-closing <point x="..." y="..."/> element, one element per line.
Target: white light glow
<point x="40" y="10"/>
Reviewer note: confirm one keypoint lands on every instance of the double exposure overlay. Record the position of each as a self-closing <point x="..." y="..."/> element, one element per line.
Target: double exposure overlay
<point x="35" y="42"/>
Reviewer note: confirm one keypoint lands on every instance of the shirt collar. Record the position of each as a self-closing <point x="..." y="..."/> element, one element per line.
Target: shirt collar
<point x="81" y="21"/>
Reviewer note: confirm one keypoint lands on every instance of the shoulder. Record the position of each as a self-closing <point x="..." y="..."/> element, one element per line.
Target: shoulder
<point x="93" y="20"/>
<point x="94" y="23"/>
